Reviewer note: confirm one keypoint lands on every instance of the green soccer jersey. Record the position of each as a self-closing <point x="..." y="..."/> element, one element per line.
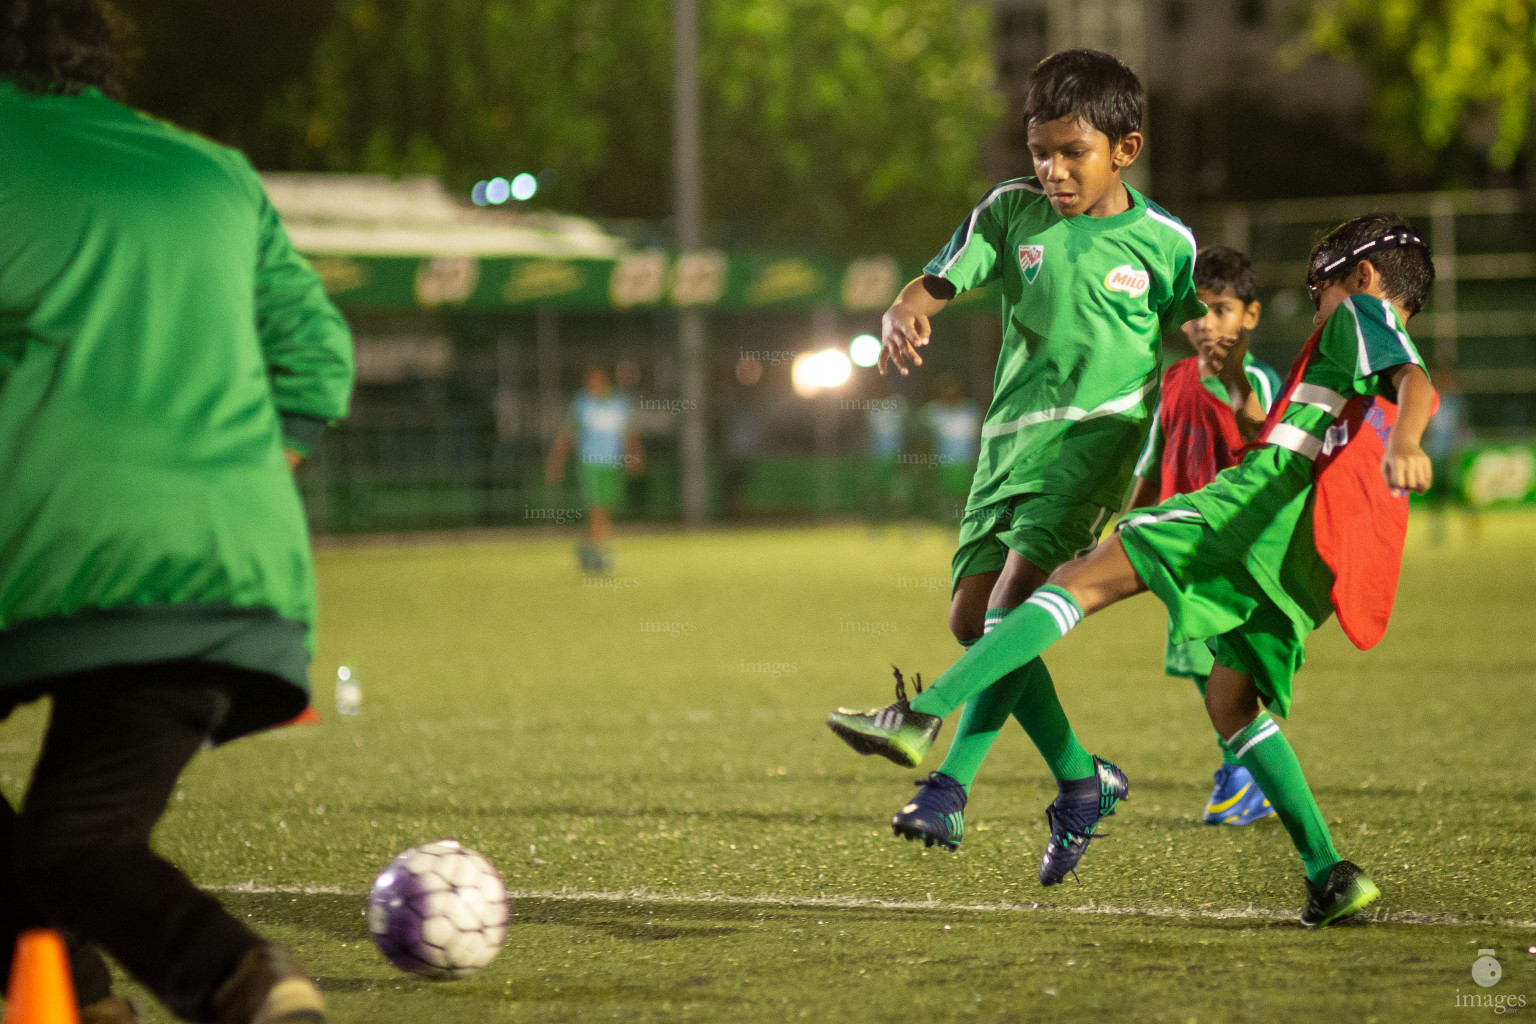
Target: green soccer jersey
<point x="1086" y="303"/>
<point x="1260" y="506"/>
<point x="161" y="343"/>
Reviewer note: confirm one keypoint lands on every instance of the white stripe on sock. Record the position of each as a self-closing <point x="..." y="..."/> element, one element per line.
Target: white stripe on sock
<point x="1269" y="729"/>
<point x="1071" y="611"/>
<point x="1038" y="600"/>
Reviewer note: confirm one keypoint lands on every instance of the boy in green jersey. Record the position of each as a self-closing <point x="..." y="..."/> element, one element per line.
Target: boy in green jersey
<point x="1092" y="276"/>
<point x="165" y="357"/>
<point x="1310" y="522"/>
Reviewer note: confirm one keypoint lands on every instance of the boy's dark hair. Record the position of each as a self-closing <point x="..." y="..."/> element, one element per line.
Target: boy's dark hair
<point x="62" y="46"/>
<point x="1397" y="252"/>
<point x="1088" y="84"/>
<point x="1219" y="267"/>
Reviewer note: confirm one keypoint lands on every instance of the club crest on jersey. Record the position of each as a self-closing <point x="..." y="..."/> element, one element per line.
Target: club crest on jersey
<point x="1030" y="258"/>
<point x="1128" y="279"/>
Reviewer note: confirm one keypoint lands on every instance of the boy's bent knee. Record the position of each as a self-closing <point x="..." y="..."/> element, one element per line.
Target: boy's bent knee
<point x="968" y="606"/>
<point x="1231" y="701"/>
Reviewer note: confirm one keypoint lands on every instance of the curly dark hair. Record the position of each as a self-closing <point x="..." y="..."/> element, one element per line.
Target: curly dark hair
<point x="62" y="46"/>
<point x="1219" y="267"/>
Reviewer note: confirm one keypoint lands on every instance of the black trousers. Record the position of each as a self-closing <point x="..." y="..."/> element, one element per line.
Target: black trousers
<point x="77" y="856"/>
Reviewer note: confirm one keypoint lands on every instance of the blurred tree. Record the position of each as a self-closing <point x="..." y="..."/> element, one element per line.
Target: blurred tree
<point x="1443" y="71"/>
<point x="854" y="124"/>
<point x="216" y="67"/>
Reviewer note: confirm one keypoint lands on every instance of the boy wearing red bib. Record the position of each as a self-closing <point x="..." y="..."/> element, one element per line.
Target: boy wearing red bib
<point x="1212" y="405"/>
<point x="1309" y="523"/>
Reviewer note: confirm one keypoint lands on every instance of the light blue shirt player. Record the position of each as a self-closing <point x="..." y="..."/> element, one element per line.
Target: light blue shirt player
<point x="887" y="427"/>
<point x="956" y="431"/>
<point x="601" y="425"/>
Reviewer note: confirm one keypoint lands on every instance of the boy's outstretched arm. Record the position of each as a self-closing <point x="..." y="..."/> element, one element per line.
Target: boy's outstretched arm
<point x="1405" y="466"/>
<point x="904" y="328"/>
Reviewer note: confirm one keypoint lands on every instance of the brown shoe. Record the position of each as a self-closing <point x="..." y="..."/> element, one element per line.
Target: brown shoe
<point x="111" y="1010"/>
<point x="269" y="987"/>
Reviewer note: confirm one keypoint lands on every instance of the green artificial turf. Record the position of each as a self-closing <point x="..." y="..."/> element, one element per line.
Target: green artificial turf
<point x="645" y="761"/>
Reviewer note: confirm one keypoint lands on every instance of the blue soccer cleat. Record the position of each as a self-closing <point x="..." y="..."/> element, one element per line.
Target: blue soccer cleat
<point x="1236" y="799"/>
<point x="1075" y="815"/>
<point x="936" y="815"/>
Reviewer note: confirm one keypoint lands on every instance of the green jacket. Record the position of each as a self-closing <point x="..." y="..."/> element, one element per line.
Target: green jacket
<point x="161" y="342"/>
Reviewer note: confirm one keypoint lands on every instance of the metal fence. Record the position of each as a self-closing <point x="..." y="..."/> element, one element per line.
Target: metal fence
<point x="455" y="410"/>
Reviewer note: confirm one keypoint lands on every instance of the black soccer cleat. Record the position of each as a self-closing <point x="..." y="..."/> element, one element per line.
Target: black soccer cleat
<point x="1347" y="890"/>
<point x="894" y="731"/>
<point x="1075" y="815"/>
<point x="936" y="815"/>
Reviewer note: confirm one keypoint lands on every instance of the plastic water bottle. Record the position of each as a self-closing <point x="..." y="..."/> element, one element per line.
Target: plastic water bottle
<point x="349" y="695"/>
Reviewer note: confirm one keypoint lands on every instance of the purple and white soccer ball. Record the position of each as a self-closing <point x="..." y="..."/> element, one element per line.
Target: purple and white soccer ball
<point x="438" y="910"/>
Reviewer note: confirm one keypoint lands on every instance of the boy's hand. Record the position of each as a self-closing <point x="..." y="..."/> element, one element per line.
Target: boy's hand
<point x="903" y="331"/>
<point x="1406" y="468"/>
<point x="1213" y="357"/>
<point x="1229" y="370"/>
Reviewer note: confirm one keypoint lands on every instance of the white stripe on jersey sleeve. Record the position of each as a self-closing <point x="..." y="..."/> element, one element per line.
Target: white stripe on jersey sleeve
<point x="1259" y="381"/>
<point x="1189" y="235"/>
<point x="1154" y="437"/>
<point x="1363" y="359"/>
<point x="980" y="208"/>
<point x="1402" y="336"/>
<point x="1390" y="322"/>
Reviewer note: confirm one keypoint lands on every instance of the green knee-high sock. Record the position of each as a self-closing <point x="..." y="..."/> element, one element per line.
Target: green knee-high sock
<point x="1020" y="638"/>
<point x="1221" y="743"/>
<point x="1263" y="750"/>
<point x="984" y="715"/>
<point x="1040" y="713"/>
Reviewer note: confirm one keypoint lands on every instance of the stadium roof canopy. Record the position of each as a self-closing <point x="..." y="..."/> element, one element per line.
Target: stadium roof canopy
<point x="374" y="215"/>
<point x="406" y="243"/>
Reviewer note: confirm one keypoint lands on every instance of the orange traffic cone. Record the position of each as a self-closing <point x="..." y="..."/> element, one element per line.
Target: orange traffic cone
<point x="41" y="991"/>
<point x="309" y="716"/>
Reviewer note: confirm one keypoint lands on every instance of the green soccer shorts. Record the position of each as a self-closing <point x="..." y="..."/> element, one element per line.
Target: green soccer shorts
<point x="1210" y="594"/>
<point x="602" y="486"/>
<point x="1046" y="529"/>
<point x="1192" y="659"/>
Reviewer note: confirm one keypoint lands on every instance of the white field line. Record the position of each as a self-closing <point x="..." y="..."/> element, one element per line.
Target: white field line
<point x="857" y="902"/>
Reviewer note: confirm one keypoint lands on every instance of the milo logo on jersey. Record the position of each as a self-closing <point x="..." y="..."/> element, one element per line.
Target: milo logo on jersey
<point x="1126" y="278"/>
<point x="1030" y="259"/>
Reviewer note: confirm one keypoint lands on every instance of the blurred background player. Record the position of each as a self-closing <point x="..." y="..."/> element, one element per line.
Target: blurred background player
<point x="1446" y="440"/>
<point x="953" y="423"/>
<point x="1308" y="525"/>
<point x="1092" y="275"/>
<point x="1212" y="405"/>
<point x="888" y="484"/>
<point x="161" y="345"/>
<point x="600" y="428"/>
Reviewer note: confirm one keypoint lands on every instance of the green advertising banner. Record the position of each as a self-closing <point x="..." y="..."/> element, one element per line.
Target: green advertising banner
<point x="641" y="279"/>
<point x="1499" y="475"/>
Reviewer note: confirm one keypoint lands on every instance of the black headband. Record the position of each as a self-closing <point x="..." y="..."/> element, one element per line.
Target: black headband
<point x="1338" y="267"/>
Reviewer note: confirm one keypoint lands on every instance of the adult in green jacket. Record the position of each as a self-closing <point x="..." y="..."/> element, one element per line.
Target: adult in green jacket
<point x="165" y="357"/>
